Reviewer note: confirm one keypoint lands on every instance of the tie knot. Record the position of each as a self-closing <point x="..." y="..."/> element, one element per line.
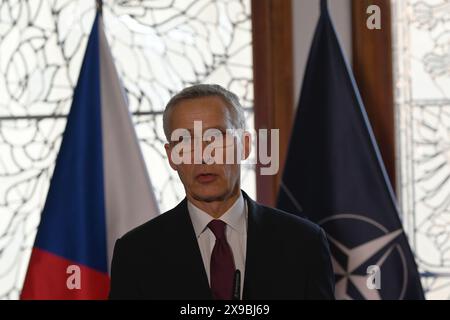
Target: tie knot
<point x="218" y="228"/>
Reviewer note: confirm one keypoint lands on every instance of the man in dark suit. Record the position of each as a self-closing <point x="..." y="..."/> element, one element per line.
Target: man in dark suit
<point x="218" y="243"/>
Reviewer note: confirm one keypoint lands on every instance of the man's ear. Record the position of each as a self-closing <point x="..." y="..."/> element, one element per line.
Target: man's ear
<point x="169" y="156"/>
<point x="247" y="144"/>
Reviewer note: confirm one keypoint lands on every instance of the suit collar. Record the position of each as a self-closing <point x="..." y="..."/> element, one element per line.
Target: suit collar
<point x="255" y="249"/>
<point x="189" y="257"/>
<point x="234" y="217"/>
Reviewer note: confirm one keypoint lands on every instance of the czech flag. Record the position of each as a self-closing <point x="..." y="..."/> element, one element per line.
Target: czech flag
<point x="100" y="187"/>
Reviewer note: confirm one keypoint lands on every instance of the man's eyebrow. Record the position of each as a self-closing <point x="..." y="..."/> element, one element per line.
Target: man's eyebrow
<point x="221" y="128"/>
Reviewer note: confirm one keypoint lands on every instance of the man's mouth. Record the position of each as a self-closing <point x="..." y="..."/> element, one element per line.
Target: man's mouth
<point x="206" y="177"/>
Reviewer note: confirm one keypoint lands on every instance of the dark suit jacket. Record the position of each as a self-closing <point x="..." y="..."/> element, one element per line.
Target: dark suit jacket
<point x="287" y="258"/>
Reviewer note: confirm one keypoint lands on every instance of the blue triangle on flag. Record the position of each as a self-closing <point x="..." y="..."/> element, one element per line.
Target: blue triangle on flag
<point x="73" y="220"/>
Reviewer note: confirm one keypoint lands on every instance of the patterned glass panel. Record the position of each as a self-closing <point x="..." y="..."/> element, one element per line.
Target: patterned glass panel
<point x="422" y="79"/>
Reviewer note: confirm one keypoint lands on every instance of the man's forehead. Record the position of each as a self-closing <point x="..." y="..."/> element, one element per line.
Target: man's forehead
<point x="208" y="115"/>
<point x="211" y="112"/>
<point x="213" y="100"/>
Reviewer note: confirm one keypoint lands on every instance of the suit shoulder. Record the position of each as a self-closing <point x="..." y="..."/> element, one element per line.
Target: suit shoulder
<point x="152" y="229"/>
<point x="288" y="221"/>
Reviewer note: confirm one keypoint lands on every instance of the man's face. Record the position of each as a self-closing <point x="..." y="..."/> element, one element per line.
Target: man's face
<point x="206" y="182"/>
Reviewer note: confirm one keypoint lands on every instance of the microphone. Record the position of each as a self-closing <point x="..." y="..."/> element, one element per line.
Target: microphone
<point x="237" y="285"/>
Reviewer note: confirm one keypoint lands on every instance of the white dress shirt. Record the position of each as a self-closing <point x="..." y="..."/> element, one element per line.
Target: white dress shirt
<point x="236" y="233"/>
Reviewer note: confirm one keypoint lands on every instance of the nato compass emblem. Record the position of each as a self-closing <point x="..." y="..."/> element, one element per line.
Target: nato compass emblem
<point x="360" y="246"/>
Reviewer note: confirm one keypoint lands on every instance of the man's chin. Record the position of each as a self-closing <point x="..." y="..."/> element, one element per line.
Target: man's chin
<point x="210" y="196"/>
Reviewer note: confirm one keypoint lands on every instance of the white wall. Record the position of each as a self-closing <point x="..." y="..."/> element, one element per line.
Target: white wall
<point x="305" y="16"/>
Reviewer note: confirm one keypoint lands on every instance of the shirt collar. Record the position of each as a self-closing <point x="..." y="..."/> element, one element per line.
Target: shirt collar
<point x="235" y="217"/>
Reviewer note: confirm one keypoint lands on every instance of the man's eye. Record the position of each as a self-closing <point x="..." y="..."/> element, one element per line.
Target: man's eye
<point x="213" y="136"/>
<point x="184" y="139"/>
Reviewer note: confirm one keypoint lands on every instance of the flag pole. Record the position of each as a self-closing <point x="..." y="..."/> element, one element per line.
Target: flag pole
<point x="323" y="5"/>
<point x="99" y="5"/>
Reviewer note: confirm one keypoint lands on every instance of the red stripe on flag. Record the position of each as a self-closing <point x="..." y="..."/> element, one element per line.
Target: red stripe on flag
<point x="51" y="277"/>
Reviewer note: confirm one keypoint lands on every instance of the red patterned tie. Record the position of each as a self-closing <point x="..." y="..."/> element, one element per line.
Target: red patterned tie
<point x="222" y="263"/>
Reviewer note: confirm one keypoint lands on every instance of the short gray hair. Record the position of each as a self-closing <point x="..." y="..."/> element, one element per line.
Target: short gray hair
<point x="206" y="90"/>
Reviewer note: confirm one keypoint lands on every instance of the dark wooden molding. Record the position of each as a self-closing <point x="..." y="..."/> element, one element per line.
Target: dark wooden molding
<point x="273" y="81"/>
<point x="372" y="66"/>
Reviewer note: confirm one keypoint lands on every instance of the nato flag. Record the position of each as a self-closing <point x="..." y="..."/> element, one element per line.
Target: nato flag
<point x="335" y="177"/>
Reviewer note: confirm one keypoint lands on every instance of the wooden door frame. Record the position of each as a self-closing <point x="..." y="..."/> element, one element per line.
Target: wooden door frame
<point x="373" y="70"/>
<point x="273" y="78"/>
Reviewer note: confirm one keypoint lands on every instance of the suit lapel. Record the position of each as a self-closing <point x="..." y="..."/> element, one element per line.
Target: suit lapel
<point x="254" y="262"/>
<point x="189" y="258"/>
